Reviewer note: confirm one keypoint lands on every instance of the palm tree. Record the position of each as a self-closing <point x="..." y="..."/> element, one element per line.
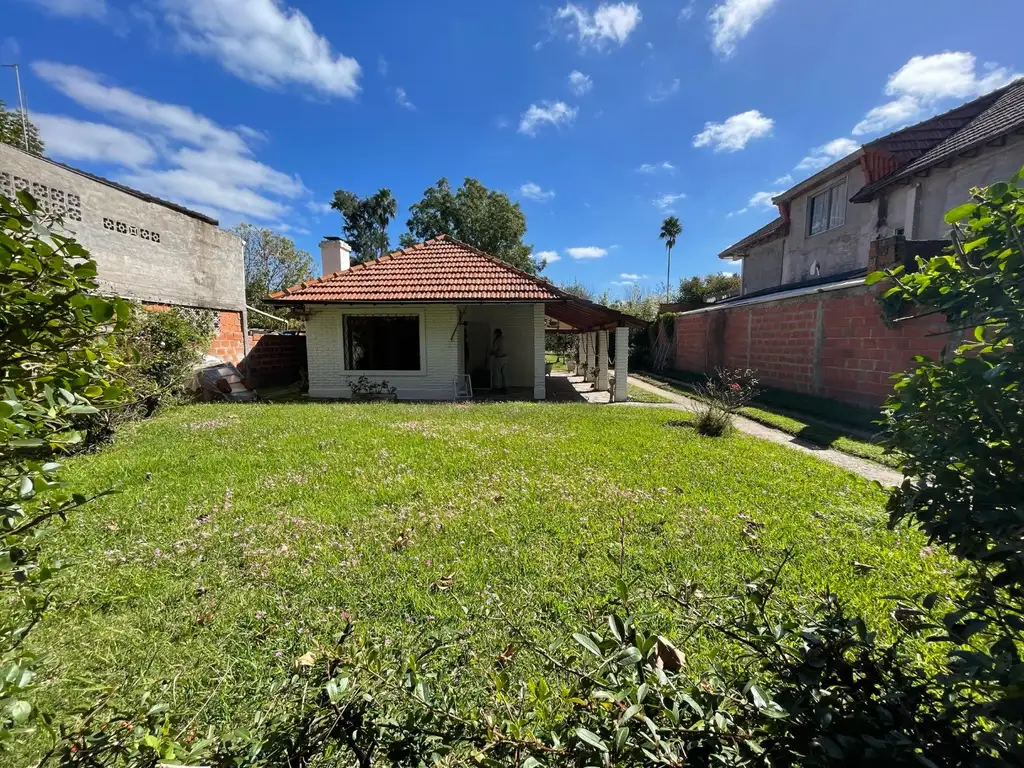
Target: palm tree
<point x="383" y="208"/>
<point x="670" y="230"/>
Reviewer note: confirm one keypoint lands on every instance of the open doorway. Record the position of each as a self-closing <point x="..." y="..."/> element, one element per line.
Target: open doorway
<point x="478" y="353"/>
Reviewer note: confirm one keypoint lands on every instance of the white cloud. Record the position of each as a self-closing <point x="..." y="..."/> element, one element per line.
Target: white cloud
<point x="556" y="113"/>
<point x="263" y="42"/>
<point x="316" y="207"/>
<point x="243" y="171"/>
<point x="549" y="257"/>
<point x="665" y="202"/>
<point x="623" y="283"/>
<point x="610" y="22"/>
<point x="586" y="252"/>
<point x="926" y="80"/>
<point x="893" y="114"/>
<point x="827" y="154"/>
<point x="632" y="276"/>
<point x="81" y="9"/>
<point x="786" y="178"/>
<point x="653" y="168"/>
<point x="382" y="66"/>
<point x="732" y="21"/>
<point x="533" y="191"/>
<point x="758" y="200"/>
<point x="579" y="83"/>
<point x="200" y="191"/>
<point x="169" y="150"/>
<point x="735" y="132"/>
<point x="72" y="139"/>
<point x="686" y="12"/>
<point x="402" y="99"/>
<point x="88" y="90"/>
<point x="662" y="91"/>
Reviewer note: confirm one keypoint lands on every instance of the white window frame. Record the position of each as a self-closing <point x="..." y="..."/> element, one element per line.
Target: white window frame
<point x="827" y="191"/>
<point x="397" y="312"/>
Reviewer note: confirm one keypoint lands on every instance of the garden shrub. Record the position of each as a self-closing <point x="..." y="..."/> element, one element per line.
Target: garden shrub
<point x="721" y="397"/>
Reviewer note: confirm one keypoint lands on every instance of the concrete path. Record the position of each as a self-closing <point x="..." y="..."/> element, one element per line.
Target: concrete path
<point x="867" y="469"/>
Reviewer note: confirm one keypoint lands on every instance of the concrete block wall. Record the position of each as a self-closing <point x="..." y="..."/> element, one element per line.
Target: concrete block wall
<point x="832" y="343"/>
<point x="143" y="250"/>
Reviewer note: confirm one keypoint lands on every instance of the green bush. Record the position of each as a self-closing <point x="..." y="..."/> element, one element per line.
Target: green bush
<point x="959" y="423"/>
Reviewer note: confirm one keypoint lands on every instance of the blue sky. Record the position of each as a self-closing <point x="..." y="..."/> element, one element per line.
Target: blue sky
<point x="599" y="117"/>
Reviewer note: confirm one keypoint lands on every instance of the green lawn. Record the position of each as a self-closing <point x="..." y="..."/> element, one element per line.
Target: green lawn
<point x="645" y="396"/>
<point x="846" y="439"/>
<point x="243" y="536"/>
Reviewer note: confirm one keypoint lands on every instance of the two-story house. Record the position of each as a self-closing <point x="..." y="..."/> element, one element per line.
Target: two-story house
<point x="899" y="185"/>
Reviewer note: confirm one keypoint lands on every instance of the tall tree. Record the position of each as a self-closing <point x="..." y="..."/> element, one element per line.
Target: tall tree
<point x="702" y="290"/>
<point x="366" y="222"/>
<point x="272" y="263"/>
<point x="670" y="230"/>
<point x="474" y="214"/>
<point x="12" y="131"/>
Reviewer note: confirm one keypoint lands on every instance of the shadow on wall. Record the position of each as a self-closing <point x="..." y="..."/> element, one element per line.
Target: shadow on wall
<point x="275" y="359"/>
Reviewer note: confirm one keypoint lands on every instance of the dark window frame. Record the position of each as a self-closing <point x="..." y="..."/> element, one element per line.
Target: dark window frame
<point x="394" y="346"/>
<point x="829" y="194"/>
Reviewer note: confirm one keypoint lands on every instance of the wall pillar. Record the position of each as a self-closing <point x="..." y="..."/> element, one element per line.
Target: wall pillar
<point x="540" y="388"/>
<point x="621" y="364"/>
<point x="591" y="357"/>
<point x="602" y="361"/>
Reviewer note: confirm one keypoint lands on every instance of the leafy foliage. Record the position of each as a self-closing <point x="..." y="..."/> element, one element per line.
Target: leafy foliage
<point x="366" y="222"/>
<point x="703" y="290"/>
<point x="474" y="214"/>
<point x="272" y="263"/>
<point x="12" y="131"/>
<point x="959" y="422"/>
<point x="56" y="366"/>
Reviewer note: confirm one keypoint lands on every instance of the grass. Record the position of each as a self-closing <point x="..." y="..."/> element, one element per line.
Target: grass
<point x="645" y="396"/>
<point x="243" y="536"/>
<point x="844" y="437"/>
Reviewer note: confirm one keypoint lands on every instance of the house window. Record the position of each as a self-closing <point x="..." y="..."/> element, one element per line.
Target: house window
<point x="827" y="210"/>
<point x="382" y="342"/>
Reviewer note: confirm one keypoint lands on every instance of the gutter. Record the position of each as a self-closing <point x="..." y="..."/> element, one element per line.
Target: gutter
<point x="795" y="293"/>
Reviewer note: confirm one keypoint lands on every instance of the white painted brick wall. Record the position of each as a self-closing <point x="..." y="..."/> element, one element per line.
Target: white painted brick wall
<point x="521" y="324"/>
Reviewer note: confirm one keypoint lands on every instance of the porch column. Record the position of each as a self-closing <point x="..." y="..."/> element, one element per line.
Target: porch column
<point x="581" y="352"/>
<point x="621" y="364"/>
<point x="540" y="389"/>
<point x="591" y="357"/>
<point x="602" y="361"/>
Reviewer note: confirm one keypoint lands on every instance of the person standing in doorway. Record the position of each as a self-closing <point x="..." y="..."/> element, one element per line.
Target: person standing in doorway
<point x="498" y="361"/>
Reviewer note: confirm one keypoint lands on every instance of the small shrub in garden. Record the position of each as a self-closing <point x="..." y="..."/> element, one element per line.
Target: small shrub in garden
<point x="721" y="397"/>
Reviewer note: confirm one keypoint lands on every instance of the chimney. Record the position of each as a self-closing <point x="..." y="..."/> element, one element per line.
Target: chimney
<point x="334" y="254"/>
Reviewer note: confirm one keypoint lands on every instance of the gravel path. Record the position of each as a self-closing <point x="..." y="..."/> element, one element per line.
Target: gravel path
<point x="866" y="469"/>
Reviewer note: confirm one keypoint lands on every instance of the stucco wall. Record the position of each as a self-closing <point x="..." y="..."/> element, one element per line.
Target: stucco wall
<point x="441" y="351"/>
<point x="837" y="250"/>
<point x="763" y="267"/>
<point x="160" y="256"/>
<point x="946" y="188"/>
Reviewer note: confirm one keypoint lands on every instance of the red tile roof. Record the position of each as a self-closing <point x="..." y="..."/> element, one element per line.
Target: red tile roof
<point x="441" y="269"/>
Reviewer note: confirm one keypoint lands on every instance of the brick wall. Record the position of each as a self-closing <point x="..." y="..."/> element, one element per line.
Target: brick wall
<point x="274" y="359"/>
<point x="228" y="342"/>
<point x="830" y="343"/>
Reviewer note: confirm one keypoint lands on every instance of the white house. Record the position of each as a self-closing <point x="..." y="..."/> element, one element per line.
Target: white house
<point x="424" y="316"/>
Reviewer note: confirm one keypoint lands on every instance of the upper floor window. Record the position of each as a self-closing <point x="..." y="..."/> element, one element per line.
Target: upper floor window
<point x="827" y="210"/>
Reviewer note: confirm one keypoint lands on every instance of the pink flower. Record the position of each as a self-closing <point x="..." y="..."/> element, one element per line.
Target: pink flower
<point x="734" y="387"/>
